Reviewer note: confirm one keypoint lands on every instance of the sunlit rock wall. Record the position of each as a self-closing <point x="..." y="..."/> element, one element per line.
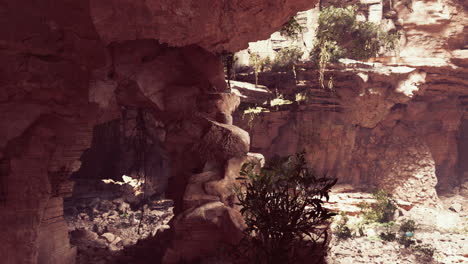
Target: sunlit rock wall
<point x="395" y="125"/>
<point x="381" y="127"/>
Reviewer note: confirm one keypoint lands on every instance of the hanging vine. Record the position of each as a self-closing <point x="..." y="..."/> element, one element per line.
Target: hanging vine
<point x="228" y="60"/>
<point x="137" y="144"/>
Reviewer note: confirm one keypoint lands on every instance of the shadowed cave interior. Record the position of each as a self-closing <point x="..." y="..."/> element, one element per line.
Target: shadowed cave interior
<point x="127" y="127"/>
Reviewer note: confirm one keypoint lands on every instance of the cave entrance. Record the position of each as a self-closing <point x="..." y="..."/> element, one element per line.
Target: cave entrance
<point x="119" y="194"/>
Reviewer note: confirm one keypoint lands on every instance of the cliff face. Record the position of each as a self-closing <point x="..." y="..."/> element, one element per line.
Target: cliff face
<point x="370" y="131"/>
<point x="69" y="65"/>
<point x="435" y="32"/>
<point x="395" y="125"/>
<point x="62" y="73"/>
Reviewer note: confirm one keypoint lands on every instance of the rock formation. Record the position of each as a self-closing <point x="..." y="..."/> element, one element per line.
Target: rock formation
<point x="396" y="125"/>
<point x="67" y="66"/>
<point x="213" y="25"/>
<point x="70" y="65"/>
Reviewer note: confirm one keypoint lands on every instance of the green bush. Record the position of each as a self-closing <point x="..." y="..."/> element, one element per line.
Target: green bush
<point x="425" y="251"/>
<point x="292" y="28"/>
<point x="388" y="236"/>
<point x="282" y="204"/>
<point x="259" y="64"/>
<point x="342" y="230"/>
<point x="406" y="241"/>
<point x="286" y="58"/>
<point x="348" y="37"/>
<point x="407" y="229"/>
<point x="341" y="35"/>
<point x="408" y="226"/>
<point x="382" y="211"/>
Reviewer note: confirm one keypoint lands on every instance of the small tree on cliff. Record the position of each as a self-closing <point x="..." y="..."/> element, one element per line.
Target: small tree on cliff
<point x="282" y="204"/>
<point x="341" y="35"/>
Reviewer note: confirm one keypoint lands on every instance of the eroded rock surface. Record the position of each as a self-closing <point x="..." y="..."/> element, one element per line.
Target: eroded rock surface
<point x="372" y="129"/>
<point x="67" y="66"/>
<point x="213" y="25"/>
<point x="63" y="72"/>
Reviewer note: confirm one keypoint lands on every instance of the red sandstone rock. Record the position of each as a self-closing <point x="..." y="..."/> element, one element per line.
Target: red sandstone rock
<point x="213" y="25"/>
<point x="67" y="65"/>
<point x="389" y="127"/>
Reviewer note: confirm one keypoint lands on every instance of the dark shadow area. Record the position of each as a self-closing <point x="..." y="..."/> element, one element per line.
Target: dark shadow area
<point x="118" y="208"/>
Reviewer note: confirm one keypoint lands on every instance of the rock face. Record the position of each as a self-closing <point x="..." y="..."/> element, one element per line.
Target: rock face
<point x="69" y="65"/>
<point x="63" y="72"/>
<point x="396" y="125"/>
<point x="213" y="25"/>
<point x="438" y="26"/>
<point x="381" y="126"/>
<point x="115" y="151"/>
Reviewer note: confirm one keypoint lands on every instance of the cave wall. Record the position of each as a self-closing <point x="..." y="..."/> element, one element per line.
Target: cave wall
<point x="68" y="65"/>
<point x="100" y="161"/>
<point x="463" y="150"/>
<point x="212" y="25"/>
<point x="194" y="107"/>
<point x="117" y="149"/>
<point x="46" y="59"/>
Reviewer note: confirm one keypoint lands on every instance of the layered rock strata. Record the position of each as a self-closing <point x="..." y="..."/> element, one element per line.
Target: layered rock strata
<point x="396" y="123"/>
<point x="392" y="127"/>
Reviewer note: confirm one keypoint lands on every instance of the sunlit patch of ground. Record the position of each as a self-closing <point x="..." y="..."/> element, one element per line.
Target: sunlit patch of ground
<point x="443" y="229"/>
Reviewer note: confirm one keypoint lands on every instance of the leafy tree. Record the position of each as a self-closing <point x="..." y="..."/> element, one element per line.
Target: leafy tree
<point x="282" y="204"/>
<point x="292" y="28"/>
<point x="382" y="211"/>
<point x="341" y="35"/>
<point x="286" y="58"/>
<point x="342" y="229"/>
<point x="258" y="64"/>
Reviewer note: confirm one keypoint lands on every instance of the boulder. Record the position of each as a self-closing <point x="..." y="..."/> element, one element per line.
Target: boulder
<point x="109" y="237"/>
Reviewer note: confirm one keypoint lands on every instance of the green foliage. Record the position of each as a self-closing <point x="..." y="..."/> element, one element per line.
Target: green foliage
<point x="279" y="100"/>
<point x="251" y="113"/>
<point x="266" y="64"/>
<point x="341" y="35"/>
<point x="407" y="229"/>
<point x="256" y="62"/>
<point x="342" y="230"/>
<point x="382" y="211"/>
<point x="284" y="61"/>
<point x="406" y="241"/>
<point x="259" y="64"/>
<point x="286" y="58"/>
<point x="408" y="226"/>
<point x="388" y="236"/>
<point x="426" y="251"/>
<point x="282" y="204"/>
<point x="292" y="28"/>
